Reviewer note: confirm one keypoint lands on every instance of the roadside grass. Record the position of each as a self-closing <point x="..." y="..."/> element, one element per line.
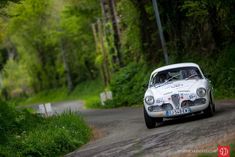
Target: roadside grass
<point x="25" y="134"/>
<point x="88" y="91"/>
<point x="215" y="154"/>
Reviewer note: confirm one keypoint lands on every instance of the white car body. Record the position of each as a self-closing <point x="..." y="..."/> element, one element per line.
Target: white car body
<point x="178" y="97"/>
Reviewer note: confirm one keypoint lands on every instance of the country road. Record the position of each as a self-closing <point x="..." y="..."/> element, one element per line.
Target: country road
<point x="122" y="132"/>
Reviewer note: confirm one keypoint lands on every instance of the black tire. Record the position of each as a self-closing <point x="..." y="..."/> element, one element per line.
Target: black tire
<point x="149" y="121"/>
<point x="210" y="110"/>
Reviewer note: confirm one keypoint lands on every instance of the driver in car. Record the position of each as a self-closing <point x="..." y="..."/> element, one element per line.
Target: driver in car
<point x="162" y="78"/>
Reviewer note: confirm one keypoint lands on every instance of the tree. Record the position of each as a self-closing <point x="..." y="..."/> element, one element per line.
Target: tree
<point x="77" y="18"/>
<point x="34" y="41"/>
<point x="131" y="41"/>
<point x="3" y="3"/>
<point x="16" y="80"/>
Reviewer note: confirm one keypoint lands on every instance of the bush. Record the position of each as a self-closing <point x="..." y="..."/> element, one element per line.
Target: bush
<point x="25" y="134"/>
<point x="59" y="135"/>
<point x="224" y="73"/>
<point x="7" y="121"/>
<point x="127" y="85"/>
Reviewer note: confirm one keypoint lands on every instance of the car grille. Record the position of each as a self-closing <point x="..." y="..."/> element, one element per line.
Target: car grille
<point x="163" y="107"/>
<point x="167" y="107"/>
<point x="176" y="100"/>
<point x="188" y="103"/>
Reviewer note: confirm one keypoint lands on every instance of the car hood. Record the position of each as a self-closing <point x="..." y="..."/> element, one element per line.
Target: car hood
<point x="183" y="86"/>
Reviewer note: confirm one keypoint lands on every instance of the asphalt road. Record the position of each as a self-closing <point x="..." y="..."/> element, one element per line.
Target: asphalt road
<point x="122" y="132"/>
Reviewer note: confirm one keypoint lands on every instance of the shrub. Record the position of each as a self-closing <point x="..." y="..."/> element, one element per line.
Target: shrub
<point x="59" y="135"/>
<point x="7" y="121"/>
<point x="25" y="134"/>
<point x="127" y="85"/>
<point x="225" y="71"/>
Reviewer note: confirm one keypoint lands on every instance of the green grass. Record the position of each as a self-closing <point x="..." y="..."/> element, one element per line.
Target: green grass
<point x="87" y="91"/>
<point x="48" y="137"/>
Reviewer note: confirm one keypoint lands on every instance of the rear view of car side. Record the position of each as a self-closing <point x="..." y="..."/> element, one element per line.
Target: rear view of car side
<point x="177" y="90"/>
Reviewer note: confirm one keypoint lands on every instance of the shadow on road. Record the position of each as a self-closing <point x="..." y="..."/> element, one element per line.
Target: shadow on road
<point x="190" y="118"/>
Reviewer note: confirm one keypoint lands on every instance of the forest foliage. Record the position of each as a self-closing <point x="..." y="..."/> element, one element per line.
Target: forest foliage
<point x="51" y="50"/>
<point x="51" y="44"/>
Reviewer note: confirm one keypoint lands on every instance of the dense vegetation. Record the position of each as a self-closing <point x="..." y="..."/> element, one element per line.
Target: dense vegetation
<point x="52" y="50"/>
<point x="48" y="45"/>
<point x="25" y="134"/>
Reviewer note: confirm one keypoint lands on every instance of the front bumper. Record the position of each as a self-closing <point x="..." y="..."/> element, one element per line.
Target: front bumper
<point x="165" y="114"/>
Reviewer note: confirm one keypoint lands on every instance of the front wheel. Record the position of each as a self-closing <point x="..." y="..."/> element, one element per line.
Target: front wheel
<point x="150" y="121"/>
<point x="210" y="110"/>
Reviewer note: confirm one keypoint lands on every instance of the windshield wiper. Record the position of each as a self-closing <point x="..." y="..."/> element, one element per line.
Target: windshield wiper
<point x="191" y="76"/>
<point x="168" y="80"/>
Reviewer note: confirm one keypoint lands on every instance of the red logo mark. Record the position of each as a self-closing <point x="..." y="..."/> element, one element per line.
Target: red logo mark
<point x="223" y="151"/>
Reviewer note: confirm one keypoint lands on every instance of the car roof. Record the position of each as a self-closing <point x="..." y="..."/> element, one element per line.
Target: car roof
<point x="178" y="65"/>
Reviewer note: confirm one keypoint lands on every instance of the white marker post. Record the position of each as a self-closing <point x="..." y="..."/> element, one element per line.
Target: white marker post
<point x="104" y="96"/>
<point x="45" y="109"/>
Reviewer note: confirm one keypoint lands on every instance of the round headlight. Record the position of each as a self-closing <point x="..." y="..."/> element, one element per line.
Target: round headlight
<point x="149" y="100"/>
<point x="201" y="92"/>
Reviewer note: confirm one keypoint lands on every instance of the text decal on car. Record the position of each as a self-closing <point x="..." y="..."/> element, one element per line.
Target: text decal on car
<point x="178" y="112"/>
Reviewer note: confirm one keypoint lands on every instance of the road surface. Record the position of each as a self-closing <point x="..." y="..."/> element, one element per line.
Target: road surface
<point x="122" y="132"/>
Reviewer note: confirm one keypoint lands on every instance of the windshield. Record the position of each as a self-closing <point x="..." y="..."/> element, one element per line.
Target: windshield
<point x="184" y="73"/>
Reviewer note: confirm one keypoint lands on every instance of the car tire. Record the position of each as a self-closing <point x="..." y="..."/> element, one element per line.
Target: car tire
<point x="149" y="121"/>
<point x="210" y="110"/>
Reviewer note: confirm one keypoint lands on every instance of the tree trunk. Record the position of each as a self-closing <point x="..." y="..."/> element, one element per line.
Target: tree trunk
<point x="89" y="69"/>
<point x="96" y="35"/>
<point x="178" y="30"/>
<point x="110" y="15"/>
<point x="148" y="45"/>
<point x="104" y="53"/>
<point x="117" y="33"/>
<point x="66" y="67"/>
<point x="214" y="24"/>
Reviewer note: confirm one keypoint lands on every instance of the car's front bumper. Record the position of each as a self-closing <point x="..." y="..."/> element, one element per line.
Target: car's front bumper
<point x="165" y="114"/>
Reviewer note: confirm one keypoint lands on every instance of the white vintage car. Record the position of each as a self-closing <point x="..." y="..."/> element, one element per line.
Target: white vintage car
<point x="177" y="90"/>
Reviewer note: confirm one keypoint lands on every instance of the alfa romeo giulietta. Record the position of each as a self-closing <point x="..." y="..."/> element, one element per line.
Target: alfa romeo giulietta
<point x="177" y="90"/>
